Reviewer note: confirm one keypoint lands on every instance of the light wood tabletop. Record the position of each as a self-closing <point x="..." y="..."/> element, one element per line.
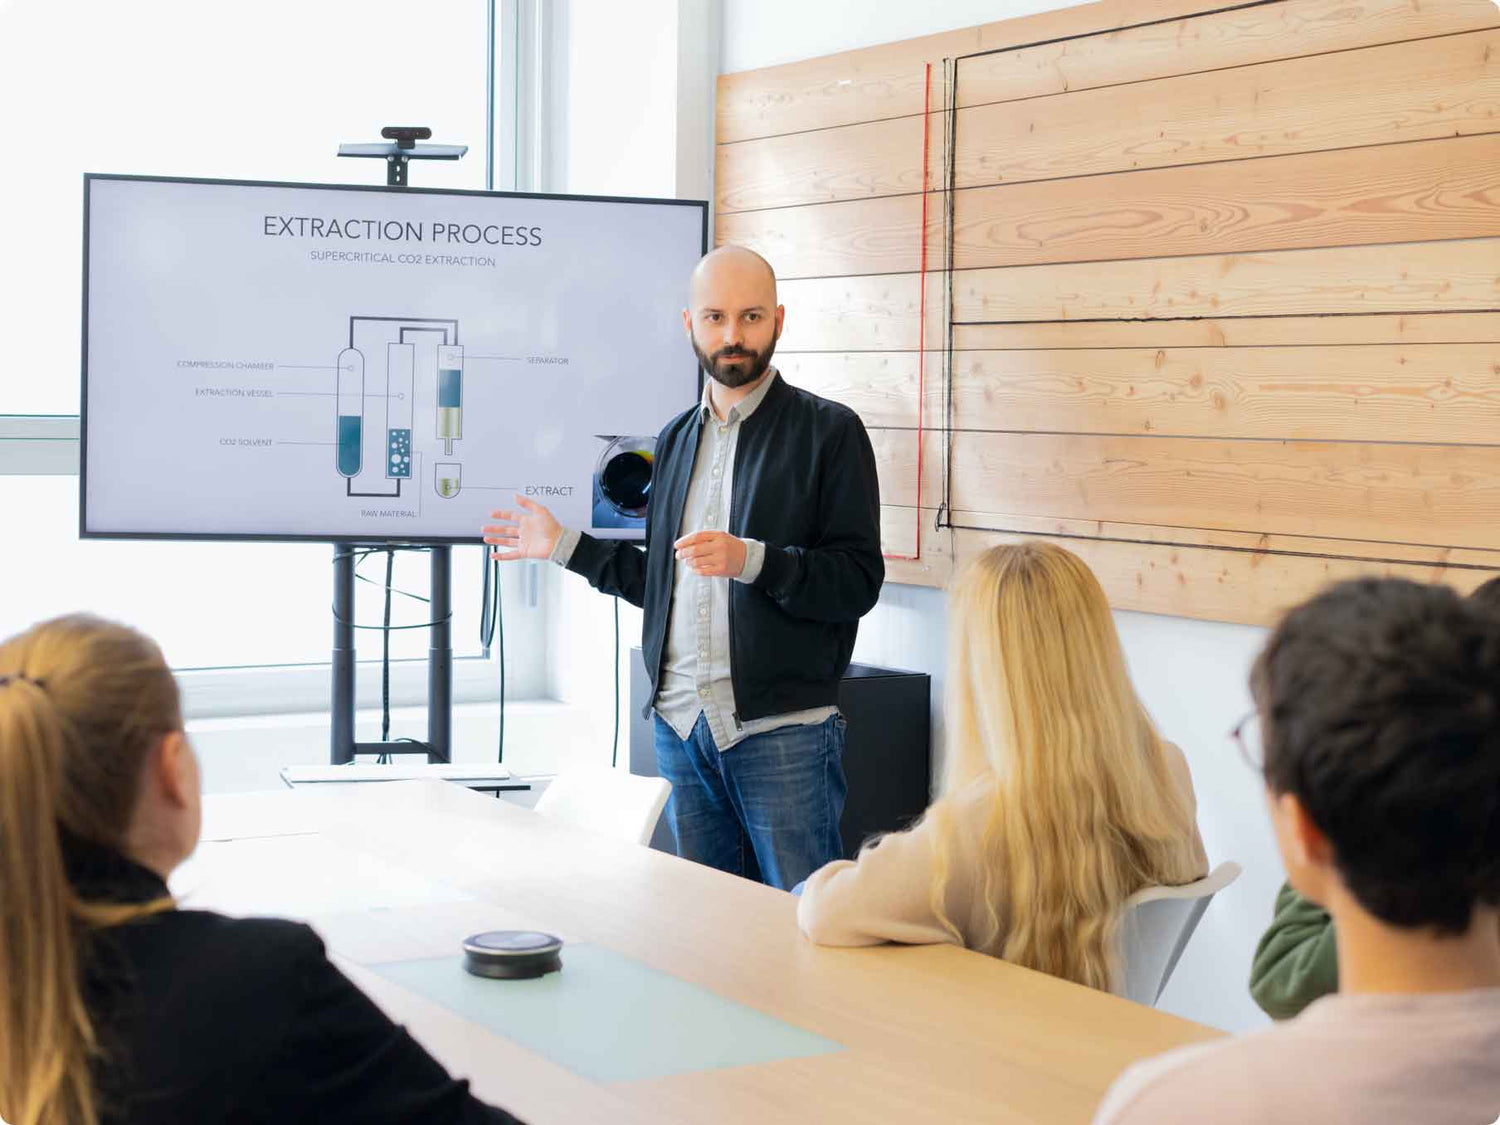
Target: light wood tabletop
<point x="406" y="870"/>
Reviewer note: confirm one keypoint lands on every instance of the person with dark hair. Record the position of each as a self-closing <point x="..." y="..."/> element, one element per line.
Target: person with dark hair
<point x="1488" y="595"/>
<point x="118" y="1006"/>
<point x="1378" y="720"/>
<point x="1297" y="959"/>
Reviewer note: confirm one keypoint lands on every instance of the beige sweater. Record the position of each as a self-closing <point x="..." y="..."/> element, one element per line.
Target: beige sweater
<point x="1432" y="1058"/>
<point x="886" y="895"/>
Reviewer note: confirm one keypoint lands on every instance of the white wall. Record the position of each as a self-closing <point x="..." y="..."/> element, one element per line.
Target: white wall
<point x="631" y="113"/>
<point x="1191" y="674"/>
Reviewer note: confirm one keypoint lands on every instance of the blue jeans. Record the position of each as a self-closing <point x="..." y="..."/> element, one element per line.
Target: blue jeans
<point x="767" y="809"/>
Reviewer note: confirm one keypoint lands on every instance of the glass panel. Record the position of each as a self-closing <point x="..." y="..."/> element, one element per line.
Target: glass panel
<point x="264" y="91"/>
<point x="224" y="604"/>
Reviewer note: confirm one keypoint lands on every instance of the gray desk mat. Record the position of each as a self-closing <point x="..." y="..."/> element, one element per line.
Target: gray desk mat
<point x="610" y="1018"/>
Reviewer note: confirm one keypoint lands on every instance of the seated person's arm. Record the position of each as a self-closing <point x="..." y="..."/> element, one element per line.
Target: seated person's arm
<point x="1297" y="960"/>
<point x="342" y="1059"/>
<point x="885" y="895"/>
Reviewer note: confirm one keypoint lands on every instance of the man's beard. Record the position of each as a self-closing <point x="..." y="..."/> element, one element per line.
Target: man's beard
<point x="751" y="365"/>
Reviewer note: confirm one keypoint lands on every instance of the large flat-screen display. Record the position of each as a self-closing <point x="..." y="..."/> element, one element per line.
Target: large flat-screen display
<point x="301" y="361"/>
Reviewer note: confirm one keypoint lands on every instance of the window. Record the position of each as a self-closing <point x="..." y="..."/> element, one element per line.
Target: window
<point x="265" y="91"/>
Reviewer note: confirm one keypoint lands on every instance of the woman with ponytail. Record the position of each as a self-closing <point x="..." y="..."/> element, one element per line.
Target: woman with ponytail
<point x="1059" y="798"/>
<point x="116" y="1006"/>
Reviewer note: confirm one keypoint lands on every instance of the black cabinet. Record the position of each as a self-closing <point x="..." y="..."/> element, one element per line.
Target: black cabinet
<point x="887" y="753"/>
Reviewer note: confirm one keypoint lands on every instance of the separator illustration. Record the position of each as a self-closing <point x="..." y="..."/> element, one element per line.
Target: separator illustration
<point x="389" y="363"/>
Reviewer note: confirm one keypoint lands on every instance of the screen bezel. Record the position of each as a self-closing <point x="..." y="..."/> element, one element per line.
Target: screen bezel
<point x="89" y="179"/>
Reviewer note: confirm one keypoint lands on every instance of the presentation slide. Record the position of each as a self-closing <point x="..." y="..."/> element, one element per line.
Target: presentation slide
<point x="310" y="362"/>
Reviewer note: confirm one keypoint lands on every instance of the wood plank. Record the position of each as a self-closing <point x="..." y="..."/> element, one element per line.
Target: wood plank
<point x="1378" y="96"/>
<point x="1433" y="393"/>
<point x="886" y="80"/>
<point x="1243" y="332"/>
<point x="1427" y="190"/>
<point x="838" y="239"/>
<point x="862" y="161"/>
<point x="1418" y="277"/>
<point x="1437" y="393"/>
<point x="1404" y="493"/>
<point x="1201" y="582"/>
<point x="896" y="466"/>
<point x="1402" y="92"/>
<point x="880" y="386"/>
<point x="1451" y="558"/>
<point x="879" y="312"/>
<point x="898" y="532"/>
<point x="1243" y="37"/>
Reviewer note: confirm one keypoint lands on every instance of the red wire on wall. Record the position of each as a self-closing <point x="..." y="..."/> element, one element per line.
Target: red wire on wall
<point x="921" y="312"/>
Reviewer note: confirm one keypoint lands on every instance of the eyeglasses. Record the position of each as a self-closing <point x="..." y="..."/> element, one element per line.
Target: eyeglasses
<point x="1246" y="735"/>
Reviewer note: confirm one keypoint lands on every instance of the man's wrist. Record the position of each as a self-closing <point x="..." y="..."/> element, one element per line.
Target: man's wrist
<point x="755" y="558"/>
<point x="567" y="543"/>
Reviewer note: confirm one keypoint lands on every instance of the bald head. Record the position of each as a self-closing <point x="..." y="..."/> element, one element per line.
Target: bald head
<point x="732" y="315"/>
<point x="732" y="268"/>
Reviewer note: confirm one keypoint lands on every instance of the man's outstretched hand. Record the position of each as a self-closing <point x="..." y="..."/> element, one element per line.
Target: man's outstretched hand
<point x="529" y="533"/>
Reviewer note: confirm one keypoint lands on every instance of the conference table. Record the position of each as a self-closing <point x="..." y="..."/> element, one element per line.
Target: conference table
<point x="685" y="995"/>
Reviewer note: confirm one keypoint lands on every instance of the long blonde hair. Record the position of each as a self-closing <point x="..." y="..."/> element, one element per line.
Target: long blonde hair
<point x="1042" y="714"/>
<point x="82" y="702"/>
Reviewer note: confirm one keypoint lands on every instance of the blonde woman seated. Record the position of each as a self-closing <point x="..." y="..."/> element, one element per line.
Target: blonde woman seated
<point x="119" y="1007"/>
<point x="1059" y="799"/>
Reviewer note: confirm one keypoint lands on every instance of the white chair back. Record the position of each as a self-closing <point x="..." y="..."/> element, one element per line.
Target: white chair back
<point x="1156" y="926"/>
<point x="606" y="801"/>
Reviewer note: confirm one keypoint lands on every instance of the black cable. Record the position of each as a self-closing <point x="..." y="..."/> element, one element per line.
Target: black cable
<point x="385" y="654"/>
<point x="395" y="590"/>
<point x="492" y="624"/>
<point x="614" y="754"/>
<point x="394" y="628"/>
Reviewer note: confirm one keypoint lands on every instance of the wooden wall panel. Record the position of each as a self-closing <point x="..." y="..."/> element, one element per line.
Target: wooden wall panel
<point x="1249" y="587"/>
<point x="1405" y="92"/>
<point x="1076" y="49"/>
<point x="881" y="312"/>
<point x="863" y="161"/>
<point x="1237" y="38"/>
<point x="1436" y="393"/>
<point x="1432" y="88"/>
<point x="1242" y="332"/>
<point x="1431" y="393"/>
<point x="1226" y="294"/>
<point x="1436" y="494"/>
<point x="886" y="81"/>
<point x="1427" y="190"/>
<point x="881" y="386"/>
<point x="1423" y="277"/>
<point x="839" y="314"/>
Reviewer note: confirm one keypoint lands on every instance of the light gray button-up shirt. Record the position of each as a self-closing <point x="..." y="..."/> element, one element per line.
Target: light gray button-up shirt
<point x="695" y="674"/>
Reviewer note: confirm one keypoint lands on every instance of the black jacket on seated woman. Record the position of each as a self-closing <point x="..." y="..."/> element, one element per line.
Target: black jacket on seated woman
<point x="204" y="1018"/>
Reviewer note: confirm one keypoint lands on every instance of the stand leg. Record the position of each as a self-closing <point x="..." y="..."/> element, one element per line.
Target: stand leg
<point x="341" y="749"/>
<point x="440" y="660"/>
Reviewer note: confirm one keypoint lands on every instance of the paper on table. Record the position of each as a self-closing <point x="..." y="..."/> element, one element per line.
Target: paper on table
<point x="610" y="1018"/>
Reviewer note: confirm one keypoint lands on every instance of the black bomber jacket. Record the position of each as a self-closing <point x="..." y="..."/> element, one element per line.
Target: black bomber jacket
<point x="804" y="485"/>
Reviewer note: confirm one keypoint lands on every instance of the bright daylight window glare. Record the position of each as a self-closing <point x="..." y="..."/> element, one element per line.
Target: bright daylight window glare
<point x="207" y="90"/>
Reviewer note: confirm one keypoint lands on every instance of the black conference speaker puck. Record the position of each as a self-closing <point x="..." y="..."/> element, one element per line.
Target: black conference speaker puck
<point x="512" y="954"/>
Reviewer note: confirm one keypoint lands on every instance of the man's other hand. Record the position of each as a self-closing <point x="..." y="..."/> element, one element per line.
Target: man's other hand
<point x="713" y="554"/>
